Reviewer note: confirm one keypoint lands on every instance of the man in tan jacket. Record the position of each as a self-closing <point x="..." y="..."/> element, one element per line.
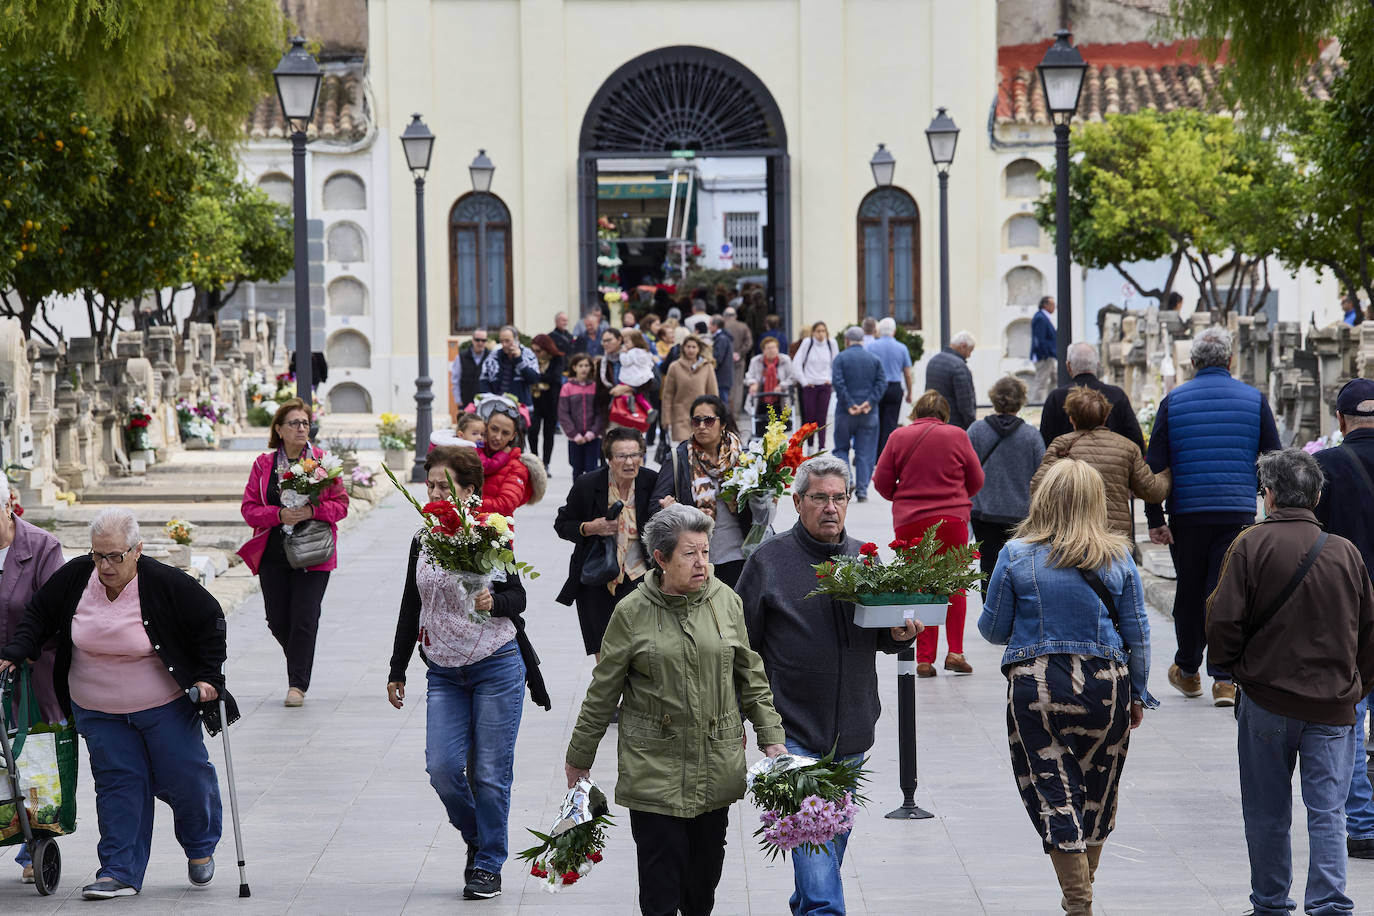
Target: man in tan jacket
<point x="1292" y="620"/>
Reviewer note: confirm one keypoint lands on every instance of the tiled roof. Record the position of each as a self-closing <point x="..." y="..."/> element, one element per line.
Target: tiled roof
<point x="341" y="114"/>
<point x="1124" y="79"/>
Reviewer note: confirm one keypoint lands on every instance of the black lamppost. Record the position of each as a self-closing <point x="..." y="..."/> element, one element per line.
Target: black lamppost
<point x="1061" y="78"/>
<point x="418" y="143"/>
<point x="298" y="88"/>
<point x="942" y="136"/>
<point x="884" y="164"/>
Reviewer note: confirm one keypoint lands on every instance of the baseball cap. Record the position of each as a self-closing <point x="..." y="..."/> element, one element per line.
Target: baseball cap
<point x="1356" y="398"/>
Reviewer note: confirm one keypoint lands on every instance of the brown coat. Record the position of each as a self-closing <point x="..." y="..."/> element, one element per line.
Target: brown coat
<point x="1314" y="659"/>
<point x="682" y="385"/>
<point x="1119" y="462"/>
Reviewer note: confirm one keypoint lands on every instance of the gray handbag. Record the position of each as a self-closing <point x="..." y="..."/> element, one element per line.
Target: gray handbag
<point x="310" y="543"/>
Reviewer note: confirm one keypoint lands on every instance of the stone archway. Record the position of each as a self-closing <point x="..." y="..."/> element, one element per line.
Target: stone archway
<point x="687" y="100"/>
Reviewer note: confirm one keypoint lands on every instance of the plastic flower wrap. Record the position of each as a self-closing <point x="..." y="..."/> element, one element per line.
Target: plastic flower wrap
<point x="568" y="851"/>
<point x="306" y="479"/>
<point x="806" y="802"/>
<point x="765" y="472"/>
<point x="476" y="547"/>
<point x="918" y="566"/>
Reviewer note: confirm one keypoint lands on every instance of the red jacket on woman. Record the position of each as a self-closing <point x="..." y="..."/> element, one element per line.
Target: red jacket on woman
<point x="928" y="468"/>
<point x="507" y="488"/>
<point x="262" y="516"/>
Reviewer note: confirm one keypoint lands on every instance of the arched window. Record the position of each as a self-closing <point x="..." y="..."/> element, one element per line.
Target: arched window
<point x="345" y="244"/>
<point x="890" y="257"/>
<point x="277" y="186"/>
<point x="349" y="350"/>
<point x="347" y="297"/>
<point x="480" y="269"/>
<point x="349" y="398"/>
<point x="1023" y="178"/>
<point x="1025" y="286"/>
<point x="1023" y="232"/>
<point x="344" y="191"/>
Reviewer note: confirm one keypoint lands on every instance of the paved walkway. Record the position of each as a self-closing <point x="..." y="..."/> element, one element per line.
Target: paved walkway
<point x="339" y="816"/>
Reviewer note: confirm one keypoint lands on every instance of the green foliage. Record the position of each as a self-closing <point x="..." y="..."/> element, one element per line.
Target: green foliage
<point x="708" y="277"/>
<point x="915" y="343"/>
<point x="574" y="847"/>
<point x="203" y="61"/>
<point x="917" y="567"/>
<point x="259" y="416"/>
<point x="783" y="791"/>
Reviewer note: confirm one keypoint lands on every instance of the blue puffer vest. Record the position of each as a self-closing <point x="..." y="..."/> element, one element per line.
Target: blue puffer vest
<point x="1214" y="432"/>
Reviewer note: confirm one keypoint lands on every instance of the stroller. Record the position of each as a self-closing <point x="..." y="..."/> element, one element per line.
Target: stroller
<point x="38" y="799"/>
<point x="756" y="406"/>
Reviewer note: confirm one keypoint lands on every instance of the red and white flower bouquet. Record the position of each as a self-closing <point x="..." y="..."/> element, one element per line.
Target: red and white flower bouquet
<point x="568" y="851"/>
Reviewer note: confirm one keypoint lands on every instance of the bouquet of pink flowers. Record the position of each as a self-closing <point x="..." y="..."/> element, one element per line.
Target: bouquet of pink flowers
<point x="806" y="802"/>
<point x="304" y="481"/>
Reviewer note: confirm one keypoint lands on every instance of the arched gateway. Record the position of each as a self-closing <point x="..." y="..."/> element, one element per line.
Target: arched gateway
<point x="687" y="101"/>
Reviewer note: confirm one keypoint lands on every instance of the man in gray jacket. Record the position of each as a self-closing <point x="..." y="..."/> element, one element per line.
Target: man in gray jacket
<point x="821" y="667"/>
<point x="948" y="373"/>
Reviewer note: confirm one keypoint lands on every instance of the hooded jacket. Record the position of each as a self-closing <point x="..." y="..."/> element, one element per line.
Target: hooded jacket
<point x="1009" y="450"/>
<point x="821" y="666"/>
<point x="682" y="671"/>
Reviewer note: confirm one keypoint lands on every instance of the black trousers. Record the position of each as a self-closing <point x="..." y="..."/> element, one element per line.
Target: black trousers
<point x="680" y="860"/>
<point x="1198" y="551"/>
<point x="545" y="419"/>
<point x="729" y="573"/>
<point x="292" y="598"/>
<point x="889" y="412"/>
<point x="991" y="538"/>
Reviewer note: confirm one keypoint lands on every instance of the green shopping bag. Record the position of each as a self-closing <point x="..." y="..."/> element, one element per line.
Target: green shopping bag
<point x="46" y="756"/>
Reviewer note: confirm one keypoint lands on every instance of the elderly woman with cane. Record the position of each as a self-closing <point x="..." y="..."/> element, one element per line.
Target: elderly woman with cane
<point x="676" y="658"/>
<point x="132" y="637"/>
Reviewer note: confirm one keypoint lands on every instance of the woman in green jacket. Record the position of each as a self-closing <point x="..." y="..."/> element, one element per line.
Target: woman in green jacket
<point x="676" y="658"/>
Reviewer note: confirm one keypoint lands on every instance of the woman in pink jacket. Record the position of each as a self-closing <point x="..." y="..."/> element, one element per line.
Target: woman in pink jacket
<point x="292" y="597"/>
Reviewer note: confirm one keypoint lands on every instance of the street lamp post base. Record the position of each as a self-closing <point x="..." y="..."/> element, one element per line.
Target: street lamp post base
<point x="908" y="812"/>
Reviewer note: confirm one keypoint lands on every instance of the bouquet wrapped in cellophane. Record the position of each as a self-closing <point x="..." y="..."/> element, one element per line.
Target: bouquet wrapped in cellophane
<point x="764" y="473"/>
<point x="303" y="481"/>
<point x="476" y="547"/>
<point x="569" y="850"/>
<point x="806" y="802"/>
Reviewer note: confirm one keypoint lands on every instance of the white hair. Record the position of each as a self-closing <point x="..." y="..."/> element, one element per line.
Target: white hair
<point x="1082" y="357"/>
<point x="963" y="339"/>
<point x="118" y="522"/>
<point x="821" y="466"/>
<point x="1212" y="348"/>
<point x="887" y="327"/>
<point x="662" y="532"/>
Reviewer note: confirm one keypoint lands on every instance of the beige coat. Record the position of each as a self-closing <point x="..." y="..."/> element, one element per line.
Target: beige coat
<point x="682" y="385"/>
<point x="1119" y="462"/>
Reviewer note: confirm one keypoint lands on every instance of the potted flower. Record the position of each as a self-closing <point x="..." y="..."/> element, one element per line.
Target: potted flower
<point x="136" y="433"/>
<point x="397" y="438"/>
<point x="179" y="530"/>
<point x="915" y="585"/>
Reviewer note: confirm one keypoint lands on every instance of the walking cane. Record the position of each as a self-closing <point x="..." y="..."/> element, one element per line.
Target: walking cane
<point x="194" y="694"/>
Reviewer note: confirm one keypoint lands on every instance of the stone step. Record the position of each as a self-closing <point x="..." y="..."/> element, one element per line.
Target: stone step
<point x="133" y="490"/>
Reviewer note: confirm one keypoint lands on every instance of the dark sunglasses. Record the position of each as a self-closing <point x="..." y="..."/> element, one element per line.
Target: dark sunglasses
<point x="705" y="421"/>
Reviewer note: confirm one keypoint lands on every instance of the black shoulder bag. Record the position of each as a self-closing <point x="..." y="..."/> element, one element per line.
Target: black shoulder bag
<point x="1095" y="582"/>
<point x="1359" y="466"/>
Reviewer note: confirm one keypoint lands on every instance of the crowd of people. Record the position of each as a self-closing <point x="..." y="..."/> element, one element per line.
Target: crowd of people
<point x="692" y="637"/>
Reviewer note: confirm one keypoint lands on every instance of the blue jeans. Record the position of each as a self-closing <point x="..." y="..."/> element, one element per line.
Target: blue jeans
<point x="1268" y="746"/>
<point x="584" y="457"/>
<point x="819" y="890"/>
<point x="862" y="432"/>
<point x="472" y="717"/>
<point x="1359" y="803"/>
<point x="155" y="753"/>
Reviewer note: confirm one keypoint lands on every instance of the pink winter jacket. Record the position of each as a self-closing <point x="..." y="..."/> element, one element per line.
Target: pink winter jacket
<point x="262" y="516"/>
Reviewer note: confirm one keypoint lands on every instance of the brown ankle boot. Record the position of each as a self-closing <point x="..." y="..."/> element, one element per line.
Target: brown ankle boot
<point x="1094" y="856"/>
<point x="1075" y="880"/>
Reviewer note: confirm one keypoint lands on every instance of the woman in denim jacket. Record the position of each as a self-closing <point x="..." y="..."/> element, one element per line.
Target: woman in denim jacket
<point x="1063" y="645"/>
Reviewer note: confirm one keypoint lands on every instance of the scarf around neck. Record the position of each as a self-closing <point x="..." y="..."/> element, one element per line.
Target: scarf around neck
<point x="708" y="473"/>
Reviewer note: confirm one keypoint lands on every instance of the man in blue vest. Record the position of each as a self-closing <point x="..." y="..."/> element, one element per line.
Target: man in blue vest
<point x="1347" y="509"/>
<point x="1209" y="432"/>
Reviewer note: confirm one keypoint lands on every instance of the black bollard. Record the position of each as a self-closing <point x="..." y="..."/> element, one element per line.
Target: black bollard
<point x="906" y="739"/>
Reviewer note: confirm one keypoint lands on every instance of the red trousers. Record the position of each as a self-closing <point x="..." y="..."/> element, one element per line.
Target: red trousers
<point x="953" y="533"/>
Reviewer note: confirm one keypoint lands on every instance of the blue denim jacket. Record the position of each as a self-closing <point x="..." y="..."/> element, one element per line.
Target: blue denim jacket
<point x="1037" y="609"/>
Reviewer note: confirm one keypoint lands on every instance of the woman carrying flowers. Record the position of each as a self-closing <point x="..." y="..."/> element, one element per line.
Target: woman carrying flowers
<point x="292" y="597"/>
<point x="696" y="477"/>
<point x="473" y="644"/>
<point x="676" y="659"/>
<point x="1067" y="602"/>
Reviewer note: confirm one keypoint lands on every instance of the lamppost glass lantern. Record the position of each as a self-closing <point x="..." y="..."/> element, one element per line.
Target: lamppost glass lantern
<point x="298" y="80"/>
<point x="418" y="143"/>
<point x="942" y="135"/>
<point x="883" y="165"/>
<point x="481" y="171"/>
<point x="1061" y="76"/>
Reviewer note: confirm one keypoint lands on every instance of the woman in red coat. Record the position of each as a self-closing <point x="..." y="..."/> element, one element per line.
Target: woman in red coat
<point x="930" y="472"/>
<point x="292" y="597"/>
<point x="512" y="478"/>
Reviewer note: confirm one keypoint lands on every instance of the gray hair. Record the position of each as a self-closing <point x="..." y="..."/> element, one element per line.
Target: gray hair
<point x="730" y="312"/>
<point x="1212" y="348"/>
<point x="821" y="466"/>
<point x="118" y="522"/>
<point x="661" y="533"/>
<point x="887" y="327"/>
<point x="1293" y="476"/>
<point x="963" y="339"/>
<point x="853" y="332"/>
<point x="1082" y="357"/>
<point x="514" y="332"/>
